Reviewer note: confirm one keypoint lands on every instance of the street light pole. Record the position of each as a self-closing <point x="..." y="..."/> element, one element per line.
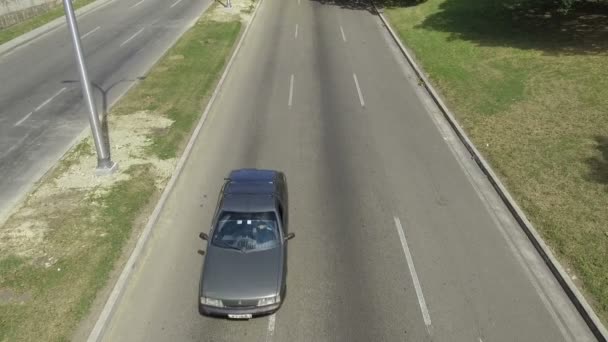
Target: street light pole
<point x="105" y="165"/>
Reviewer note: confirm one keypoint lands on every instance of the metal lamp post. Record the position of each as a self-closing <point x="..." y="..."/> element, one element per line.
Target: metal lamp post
<point x="105" y="165"/>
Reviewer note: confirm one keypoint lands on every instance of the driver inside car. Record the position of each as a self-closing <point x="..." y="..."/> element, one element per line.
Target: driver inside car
<point x="264" y="233"/>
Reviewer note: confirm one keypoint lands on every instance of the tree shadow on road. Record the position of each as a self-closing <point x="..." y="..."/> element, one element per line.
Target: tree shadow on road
<point x="598" y="165"/>
<point x="365" y="5"/>
<point x="523" y="24"/>
<point x="368" y="5"/>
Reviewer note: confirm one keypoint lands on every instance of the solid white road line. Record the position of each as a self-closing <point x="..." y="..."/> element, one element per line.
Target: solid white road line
<point x="343" y="35"/>
<point x="137" y="4"/>
<point x="131" y="38"/>
<point x="290" y="91"/>
<point x="90" y="32"/>
<point x="410" y="263"/>
<point x="23" y="119"/>
<point x="359" y="90"/>
<point x="296" y="36"/>
<point x="49" y="100"/>
<point x="271" y="324"/>
<point x="175" y="3"/>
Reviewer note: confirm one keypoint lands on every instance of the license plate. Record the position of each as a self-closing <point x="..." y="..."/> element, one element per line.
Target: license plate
<point x="243" y="316"/>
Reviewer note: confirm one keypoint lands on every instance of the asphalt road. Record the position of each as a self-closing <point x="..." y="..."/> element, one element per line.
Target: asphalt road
<point x="41" y="106"/>
<point x="398" y="235"/>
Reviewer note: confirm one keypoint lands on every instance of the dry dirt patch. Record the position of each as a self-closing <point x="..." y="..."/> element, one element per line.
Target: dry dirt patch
<point x="25" y="231"/>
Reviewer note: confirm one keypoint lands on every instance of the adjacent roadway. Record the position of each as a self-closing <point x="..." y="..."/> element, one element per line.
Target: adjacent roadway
<point x="41" y="106"/>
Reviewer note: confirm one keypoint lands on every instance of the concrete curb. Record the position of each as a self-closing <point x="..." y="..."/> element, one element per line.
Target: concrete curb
<point x="585" y="310"/>
<point x="121" y="283"/>
<point x="48" y="27"/>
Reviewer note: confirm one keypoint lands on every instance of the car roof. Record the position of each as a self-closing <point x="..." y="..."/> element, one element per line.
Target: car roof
<point x="253" y="175"/>
<point x="250" y="190"/>
<point x="248" y="203"/>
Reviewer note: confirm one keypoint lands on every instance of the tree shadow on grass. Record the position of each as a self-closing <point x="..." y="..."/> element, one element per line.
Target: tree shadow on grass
<point x="598" y="165"/>
<point x="525" y="25"/>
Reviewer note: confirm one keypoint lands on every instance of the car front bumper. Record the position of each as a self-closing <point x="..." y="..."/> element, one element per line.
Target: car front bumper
<point x="206" y="310"/>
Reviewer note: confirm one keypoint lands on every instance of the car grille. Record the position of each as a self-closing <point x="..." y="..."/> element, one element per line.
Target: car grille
<point x="240" y="303"/>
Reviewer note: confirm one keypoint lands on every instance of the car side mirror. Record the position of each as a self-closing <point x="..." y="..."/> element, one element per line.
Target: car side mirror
<point x="290" y="236"/>
<point x="203" y="236"/>
<point x="201" y="252"/>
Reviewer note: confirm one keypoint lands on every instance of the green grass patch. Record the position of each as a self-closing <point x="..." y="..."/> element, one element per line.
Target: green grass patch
<point x="64" y="242"/>
<point x="530" y="86"/>
<point x="16" y="30"/>
<point x="180" y="83"/>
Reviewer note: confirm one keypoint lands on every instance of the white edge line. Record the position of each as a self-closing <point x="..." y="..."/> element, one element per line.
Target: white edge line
<point x="137" y="4"/>
<point x="132" y="37"/>
<point x="296" y="35"/>
<point x="125" y="274"/>
<point x="359" y="90"/>
<point x="23" y="119"/>
<point x="290" y="91"/>
<point x="343" y="35"/>
<point x="49" y="99"/>
<point x="271" y="325"/>
<point x="408" y="256"/>
<point x="175" y="3"/>
<point x="90" y="32"/>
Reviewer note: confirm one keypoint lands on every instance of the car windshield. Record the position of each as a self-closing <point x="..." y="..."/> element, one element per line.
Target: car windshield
<point x="246" y="231"/>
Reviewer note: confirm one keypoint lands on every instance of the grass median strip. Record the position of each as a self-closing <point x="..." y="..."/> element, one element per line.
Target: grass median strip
<point x="530" y="86"/>
<point x="26" y="26"/>
<point x="58" y="248"/>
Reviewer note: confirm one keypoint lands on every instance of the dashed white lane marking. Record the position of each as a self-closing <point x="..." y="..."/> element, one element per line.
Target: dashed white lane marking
<point x="271" y="324"/>
<point x="290" y="91"/>
<point x="359" y="90"/>
<point x="90" y="32"/>
<point x="410" y="263"/>
<point x="131" y="38"/>
<point x="298" y="2"/>
<point x="137" y="4"/>
<point x="23" y="119"/>
<point x="343" y="35"/>
<point x="175" y="3"/>
<point x="49" y="99"/>
<point x="296" y="35"/>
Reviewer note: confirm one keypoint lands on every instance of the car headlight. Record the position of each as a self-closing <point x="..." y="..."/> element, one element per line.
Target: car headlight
<point x="269" y="300"/>
<point x="212" y="302"/>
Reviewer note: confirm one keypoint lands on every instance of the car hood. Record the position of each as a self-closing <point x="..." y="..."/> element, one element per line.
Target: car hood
<point x="231" y="274"/>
